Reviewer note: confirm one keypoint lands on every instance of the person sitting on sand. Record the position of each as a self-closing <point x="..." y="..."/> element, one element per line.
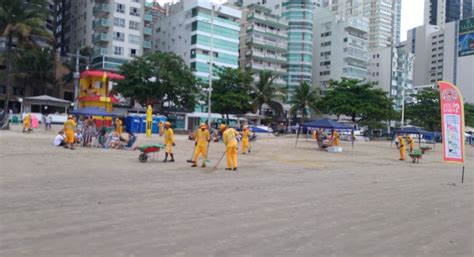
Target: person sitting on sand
<point x="115" y="141"/>
<point x="59" y="139"/>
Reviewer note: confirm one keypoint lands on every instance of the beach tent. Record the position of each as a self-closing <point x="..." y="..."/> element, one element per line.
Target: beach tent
<point x="92" y="111"/>
<point x="411" y="130"/>
<point x="324" y="124"/>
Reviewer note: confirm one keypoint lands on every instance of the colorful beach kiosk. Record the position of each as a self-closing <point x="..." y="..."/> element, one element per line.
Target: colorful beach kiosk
<point x="95" y="91"/>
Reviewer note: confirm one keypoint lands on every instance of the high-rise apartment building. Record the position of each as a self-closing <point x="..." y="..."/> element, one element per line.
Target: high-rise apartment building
<point x="341" y="48"/>
<point x="186" y="31"/>
<point x="391" y="69"/>
<point x="440" y="12"/>
<point x="113" y="28"/>
<point x="444" y="54"/>
<point x="264" y="42"/>
<point x="384" y="18"/>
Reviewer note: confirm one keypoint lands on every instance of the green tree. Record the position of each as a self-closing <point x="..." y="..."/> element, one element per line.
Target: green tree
<point x="469" y="114"/>
<point x="265" y="92"/>
<point x="304" y="98"/>
<point x="360" y="101"/>
<point x="22" y="20"/>
<point x="35" y="67"/>
<point x="161" y="78"/>
<point x="231" y="92"/>
<point x="425" y="110"/>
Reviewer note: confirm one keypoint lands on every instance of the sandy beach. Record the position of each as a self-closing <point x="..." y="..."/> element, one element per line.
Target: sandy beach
<point x="283" y="201"/>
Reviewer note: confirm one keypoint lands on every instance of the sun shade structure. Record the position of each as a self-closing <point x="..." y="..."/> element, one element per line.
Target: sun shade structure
<point x="325" y="124"/>
<point x="92" y="111"/>
<point x="47" y="100"/>
<point x="412" y="130"/>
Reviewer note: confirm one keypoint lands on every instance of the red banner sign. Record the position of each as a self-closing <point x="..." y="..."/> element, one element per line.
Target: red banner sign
<point x="452" y="122"/>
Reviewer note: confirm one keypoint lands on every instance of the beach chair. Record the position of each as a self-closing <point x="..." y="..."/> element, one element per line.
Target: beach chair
<point x="416" y="155"/>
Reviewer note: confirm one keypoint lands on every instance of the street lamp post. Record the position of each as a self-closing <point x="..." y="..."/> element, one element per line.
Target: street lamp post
<point x="210" y="69"/>
<point x="403" y="106"/>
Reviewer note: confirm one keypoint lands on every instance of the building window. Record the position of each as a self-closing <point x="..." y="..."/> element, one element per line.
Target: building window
<point x="133" y="39"/>
<point x="133" y="52"/>
<point x="119" y="36"/>
<point x="118" y="50"/>
<point x="328" y="43"/>
<point x="119" y="22"/>
<point x="120" y="8"/>
<point x="135" y="11"/>
<point x="135" y="25"/>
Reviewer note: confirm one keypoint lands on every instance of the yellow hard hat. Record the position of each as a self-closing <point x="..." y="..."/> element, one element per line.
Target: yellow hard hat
<point x="168" y="123"/>
<point x="69" y="117"/>
<point x="202" y="125"/>
<point x="223" y="126"/>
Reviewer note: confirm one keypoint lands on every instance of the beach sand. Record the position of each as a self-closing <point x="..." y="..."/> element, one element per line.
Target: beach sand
<point x="283" y="201"/>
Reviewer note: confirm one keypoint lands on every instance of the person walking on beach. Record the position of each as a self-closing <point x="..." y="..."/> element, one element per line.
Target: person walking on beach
<point x="245" y="139"/>
<point x="202" y="138"/>
<point x="411" y="143"/>
<point x="47" y="121"/>
<point x="69" y="127"/>
<point x="401" y="146"/>
<point x="27" y="123"/>
<point x="229" y="136"/>
<point x="169" y="142"/>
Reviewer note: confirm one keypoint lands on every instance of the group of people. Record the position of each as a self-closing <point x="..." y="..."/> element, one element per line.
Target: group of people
<point x="71" y="135"/>
<point x="401" y="145"/>
<point x="320" y="136"/>
<point x="202" y="138"/>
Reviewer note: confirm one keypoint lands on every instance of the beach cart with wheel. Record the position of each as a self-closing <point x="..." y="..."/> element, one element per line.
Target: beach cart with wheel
<point x="147" y="149"/>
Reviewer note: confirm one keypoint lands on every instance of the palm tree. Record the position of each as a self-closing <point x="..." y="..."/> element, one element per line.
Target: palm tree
<point x="303" y="99"/>
<point x="36" y="68"/>
<point x="265" y="92"/>
<point x="21" y="20"/>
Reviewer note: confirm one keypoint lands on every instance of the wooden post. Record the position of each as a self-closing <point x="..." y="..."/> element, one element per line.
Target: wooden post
<point x="462" y="176"/>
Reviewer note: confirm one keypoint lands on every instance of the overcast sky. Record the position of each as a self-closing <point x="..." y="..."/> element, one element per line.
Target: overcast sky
<point x="412" y="14"/>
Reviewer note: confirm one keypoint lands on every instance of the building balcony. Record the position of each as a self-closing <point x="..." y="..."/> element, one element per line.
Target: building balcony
<point x="100" y="51"/>
<point x="101" y="10"/>
<point x="267" y="44"/>
<point x="101" y="24"/>
<point x="147" y="31"/>
<point x="100" y="38"/>
<point x="147" y="44"/>
<point x="148" y="17"/>
<point x="267" y="19"/>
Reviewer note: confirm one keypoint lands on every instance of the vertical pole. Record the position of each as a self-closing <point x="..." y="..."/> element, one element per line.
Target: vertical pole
<point x="403" y="107"/>
<point x="462" y="176"/>
<point x="76" y="82"/>
<point x="210" y="69"/>
<point x="9" y="69"/>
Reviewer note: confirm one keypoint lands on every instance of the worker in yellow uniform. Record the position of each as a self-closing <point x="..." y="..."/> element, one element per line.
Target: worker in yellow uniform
<point x="69" y="127"/>
<point x="229" y="136"/>
<point x="335" y="138"/>
<point x="245" y="140"/>
<point x="119" y="126"/>
<point x="160" y="125"/>
<point x="314" y="134"/>
<point x="202" y="138"/>
<point x="401" y="146"/>
<point x="410" y="142"/>
<point x="27" y="123"/>
<point x="169" y="142"/>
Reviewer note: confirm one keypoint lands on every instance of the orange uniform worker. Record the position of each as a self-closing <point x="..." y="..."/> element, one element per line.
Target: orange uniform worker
<point x="335" y="138"/>
<point x="160" y="125"/>
<point x="69" y="127"/>
<point x="27" y="123"/>
<point x="202" y="138"/>
<point x="245" y="139"/>
<point x="119" y="125"/>
<point x="229" y="136"/>
<point x="169" y="142"/>
<point x="314" y="134"/>
<point x="401" y="147"/>
<point x="411" y="143"/>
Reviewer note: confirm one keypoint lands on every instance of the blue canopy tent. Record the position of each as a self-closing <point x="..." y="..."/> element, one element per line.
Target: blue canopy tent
<point x="411" y="130"/>
<point x="93" y="111"/>
<point x="324" y="124"/>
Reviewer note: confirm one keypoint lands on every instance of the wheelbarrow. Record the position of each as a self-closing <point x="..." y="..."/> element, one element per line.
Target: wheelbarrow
<point x="147" y="149"/>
